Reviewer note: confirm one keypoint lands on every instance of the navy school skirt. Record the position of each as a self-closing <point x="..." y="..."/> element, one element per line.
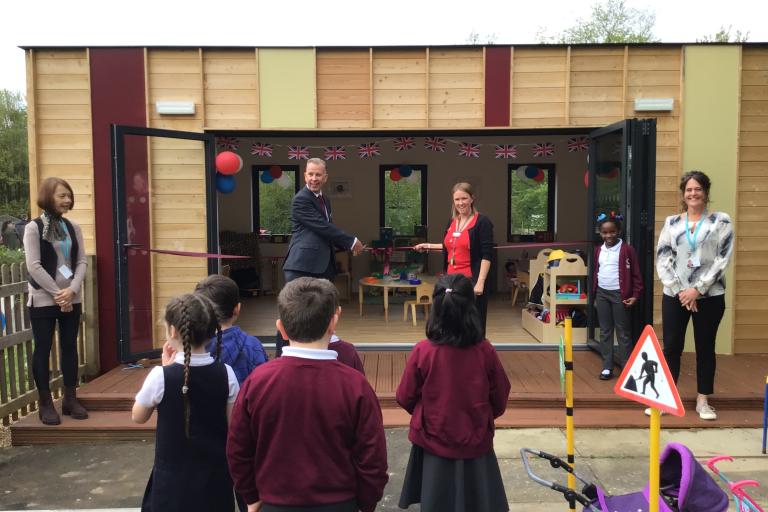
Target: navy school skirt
<point x="453" y="485"/>
<point x="347" y="506"/>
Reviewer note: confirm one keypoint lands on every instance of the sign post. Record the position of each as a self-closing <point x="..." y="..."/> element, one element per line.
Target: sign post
<point x="568" y="364"/>
<point x="646" y="379"/>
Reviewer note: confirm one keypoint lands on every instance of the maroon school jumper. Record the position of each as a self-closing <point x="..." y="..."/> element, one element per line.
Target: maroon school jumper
<point x="630" y="282"/>
<point x="307" y="431"/>
<point x="453" y="395"/>
<point x="347" y="353"/>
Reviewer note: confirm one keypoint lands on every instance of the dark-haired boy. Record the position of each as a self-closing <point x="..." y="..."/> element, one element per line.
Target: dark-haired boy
<point x="306" y="430"/>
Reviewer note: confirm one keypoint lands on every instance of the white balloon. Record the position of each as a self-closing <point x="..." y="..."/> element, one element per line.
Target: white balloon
<point x="285" y="180"/>
<point x="239" y="167"/>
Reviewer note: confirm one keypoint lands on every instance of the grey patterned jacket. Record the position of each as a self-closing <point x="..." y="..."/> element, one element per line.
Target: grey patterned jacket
<point x="713" y="248"/>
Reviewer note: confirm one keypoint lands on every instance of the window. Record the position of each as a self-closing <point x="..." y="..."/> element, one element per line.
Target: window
<point x="403" y="197"/>
<point x="531" y="201"/>
<point x="273" y="188"/>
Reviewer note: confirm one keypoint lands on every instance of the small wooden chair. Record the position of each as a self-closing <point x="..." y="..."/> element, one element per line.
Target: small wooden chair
<point x="423" y="298"/>
<point x="343" y="278"/>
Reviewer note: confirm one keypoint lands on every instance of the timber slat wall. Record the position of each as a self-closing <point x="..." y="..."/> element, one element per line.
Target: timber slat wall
<point x="752" y="216"/>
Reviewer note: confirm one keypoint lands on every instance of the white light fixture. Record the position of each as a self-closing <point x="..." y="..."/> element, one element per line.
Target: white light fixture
<point x="175" y="107"/>
<point x="654" y="104"/>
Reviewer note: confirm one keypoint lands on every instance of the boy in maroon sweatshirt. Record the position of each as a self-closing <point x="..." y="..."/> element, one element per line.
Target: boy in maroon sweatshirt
<point x="306" y="431"/>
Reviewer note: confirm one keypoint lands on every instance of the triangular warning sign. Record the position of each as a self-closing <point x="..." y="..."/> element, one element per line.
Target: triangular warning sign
<point x="646" y="378"/>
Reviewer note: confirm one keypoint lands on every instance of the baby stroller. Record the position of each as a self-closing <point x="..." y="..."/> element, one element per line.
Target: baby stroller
<point x="685" y="486"/>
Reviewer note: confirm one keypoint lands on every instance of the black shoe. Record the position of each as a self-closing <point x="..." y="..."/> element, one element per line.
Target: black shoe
<point x="606" y="375"/>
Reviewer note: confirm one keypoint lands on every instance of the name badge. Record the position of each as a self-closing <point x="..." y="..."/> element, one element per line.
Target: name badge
<point x="456" y="234"/>
<point x="65" y="271"/>
<point x="694" y="262"/>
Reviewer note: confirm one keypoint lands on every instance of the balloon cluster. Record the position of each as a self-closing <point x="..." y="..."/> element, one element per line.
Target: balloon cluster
<point x="227" y="165"/>
<point x="606" y="170"/>
<point x="402" y="171"/>
<point x="275" y="174"/>
<point x="531" y="172"/>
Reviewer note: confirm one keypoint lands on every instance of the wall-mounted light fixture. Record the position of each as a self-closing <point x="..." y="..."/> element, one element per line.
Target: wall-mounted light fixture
<point x="175" y="107"/>
<point x="654" y="104"/>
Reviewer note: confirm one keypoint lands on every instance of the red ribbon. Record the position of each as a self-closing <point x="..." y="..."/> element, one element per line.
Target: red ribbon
<point x="196" y="254"/>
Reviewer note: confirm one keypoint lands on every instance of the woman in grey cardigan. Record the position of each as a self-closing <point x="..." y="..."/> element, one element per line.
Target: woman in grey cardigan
<point x="56" y="263"/>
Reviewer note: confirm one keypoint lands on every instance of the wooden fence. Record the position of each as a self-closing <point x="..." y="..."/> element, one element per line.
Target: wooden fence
<point x="18" y="395"/>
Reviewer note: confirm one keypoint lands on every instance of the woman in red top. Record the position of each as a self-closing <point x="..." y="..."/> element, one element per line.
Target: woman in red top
<point x="467" y="245"/>
<point x="454" y="386"/>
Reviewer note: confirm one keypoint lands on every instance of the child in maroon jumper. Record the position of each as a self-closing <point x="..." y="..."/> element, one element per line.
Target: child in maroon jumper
<point x="454" y="386"/>
<point x="347" y="353"/>
<point x="306" y="431"/>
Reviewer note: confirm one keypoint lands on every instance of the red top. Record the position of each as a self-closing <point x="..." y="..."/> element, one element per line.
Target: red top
<point x="458" y="248"/>
<point x="307" y="432"/>
<point x="453" y="395"/>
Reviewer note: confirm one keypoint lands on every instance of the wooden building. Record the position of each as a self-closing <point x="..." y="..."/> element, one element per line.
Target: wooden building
<point x="319" y="97"/>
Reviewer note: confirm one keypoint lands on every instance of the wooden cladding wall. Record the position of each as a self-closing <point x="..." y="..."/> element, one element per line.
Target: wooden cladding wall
<point x="343" y="88"/>
<point x="177" y="171"/>
<point x="752" y="217"/>
<point x="231" y="89"/>
<point x="60" y="139"/>
<point x="456" y="88"/>
<point x="400" y="88"/>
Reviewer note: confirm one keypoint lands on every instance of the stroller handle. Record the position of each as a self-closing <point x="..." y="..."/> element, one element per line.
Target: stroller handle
<point x="570" y="495"/>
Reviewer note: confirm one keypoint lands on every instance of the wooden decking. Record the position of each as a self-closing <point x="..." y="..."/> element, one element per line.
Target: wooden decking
<point x="535" y="400"/>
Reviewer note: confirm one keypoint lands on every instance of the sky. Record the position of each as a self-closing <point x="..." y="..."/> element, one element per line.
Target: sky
<point x="333" y="23"/>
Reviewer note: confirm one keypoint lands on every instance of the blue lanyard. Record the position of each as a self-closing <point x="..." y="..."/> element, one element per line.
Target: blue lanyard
<point x="692" y="240"/>
<point x="66" y="244"/>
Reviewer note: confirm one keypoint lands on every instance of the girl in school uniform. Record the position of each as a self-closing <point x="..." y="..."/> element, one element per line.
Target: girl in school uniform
<point x="616" y="286"/>
<point x="194" y="394"/>
<point x="454" y="386"/>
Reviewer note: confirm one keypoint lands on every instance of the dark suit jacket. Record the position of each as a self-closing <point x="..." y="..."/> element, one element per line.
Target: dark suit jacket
<point x="313" y="237"/>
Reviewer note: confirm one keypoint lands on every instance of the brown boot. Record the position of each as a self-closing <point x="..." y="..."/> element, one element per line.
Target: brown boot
<point x="47" y="411"/>
<point x="70" y="405"/>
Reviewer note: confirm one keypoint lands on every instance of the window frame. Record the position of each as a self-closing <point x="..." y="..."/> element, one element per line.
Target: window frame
<point x="256" y="170"/>
<point x="383" y="168"/>
<point x="551" y="172"/>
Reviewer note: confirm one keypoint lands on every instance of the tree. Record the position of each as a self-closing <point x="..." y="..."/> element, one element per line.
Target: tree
<point x="724" y="36"/>
<point x="14" y="164"/>
<point x="611" y="22"/>
<point x="475" y="38"/>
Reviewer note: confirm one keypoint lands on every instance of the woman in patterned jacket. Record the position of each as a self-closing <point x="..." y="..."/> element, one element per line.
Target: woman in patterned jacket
<point x="693" y="252"/>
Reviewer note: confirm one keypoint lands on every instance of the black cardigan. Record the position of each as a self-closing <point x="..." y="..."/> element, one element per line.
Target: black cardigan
<point x="480" y="244"/>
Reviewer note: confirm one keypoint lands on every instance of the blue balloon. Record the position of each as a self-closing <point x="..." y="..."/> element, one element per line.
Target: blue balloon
<point x="225" y="183"/>
<point x="405" y="171"/>
<point x="531" y="172"/>
<point x="266" y="177"/>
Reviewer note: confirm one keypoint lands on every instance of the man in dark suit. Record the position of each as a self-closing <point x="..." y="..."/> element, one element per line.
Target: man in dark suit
<point x="314" y="237"/>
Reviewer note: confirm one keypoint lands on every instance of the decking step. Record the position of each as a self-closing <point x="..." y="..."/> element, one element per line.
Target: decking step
<point x="100" y="426"/>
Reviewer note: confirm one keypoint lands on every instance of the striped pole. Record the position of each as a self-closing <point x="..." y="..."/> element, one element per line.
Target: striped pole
<point x="653" y="463"/>
<point x="569" y="404"/>
<point x="765" y="414"/>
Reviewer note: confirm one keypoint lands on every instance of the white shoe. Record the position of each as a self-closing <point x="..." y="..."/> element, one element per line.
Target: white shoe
<point x="706" y="411"/>
<point x="648" y="412"/>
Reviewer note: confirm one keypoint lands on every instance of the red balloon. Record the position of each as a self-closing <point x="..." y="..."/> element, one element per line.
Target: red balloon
<point x="394" y="175"/>
<point x="539" y="177"/>
<point x="586" y="179"/>
<point x="227" y="162"/>
<point x="276" y="171"/>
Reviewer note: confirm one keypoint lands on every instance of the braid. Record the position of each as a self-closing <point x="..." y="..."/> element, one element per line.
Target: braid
<point x="218" y="342"/>
<point x="184" y="328"/>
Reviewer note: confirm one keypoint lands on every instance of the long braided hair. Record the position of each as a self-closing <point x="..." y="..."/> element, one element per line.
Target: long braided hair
<point x="195" y="319"/>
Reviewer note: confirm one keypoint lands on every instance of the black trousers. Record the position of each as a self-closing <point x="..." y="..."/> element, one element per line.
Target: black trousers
<point x="290" y="275"/>
<point x="675" y="318"/>
<point x="43" y="326"/>
<point x="481" y="302"/>
<point x="613" y="315"/>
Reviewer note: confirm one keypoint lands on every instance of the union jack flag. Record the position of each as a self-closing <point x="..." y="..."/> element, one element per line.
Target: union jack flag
<point x="469" y="150"/>
<point x="544" y="149"/>
<point x="506" y="151"/>
<point x="578" y="144"/>
<point x="369" y="150"/>
<point x="261" y="149"/>
<point x="335" y="153"/>
<point x="435" y="144"/>
<point x="298" y="153"/>
<point x="228" y="143"/>
<point x="404" y="143"/>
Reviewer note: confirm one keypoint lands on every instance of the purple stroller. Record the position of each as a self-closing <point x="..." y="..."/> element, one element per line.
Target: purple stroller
<point x="685" y="486"/>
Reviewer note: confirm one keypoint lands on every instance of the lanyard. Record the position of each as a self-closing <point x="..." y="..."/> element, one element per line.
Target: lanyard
<point x="456" y="229"/>
<point x="692" y="240"/>
<point x="66" y="244"/>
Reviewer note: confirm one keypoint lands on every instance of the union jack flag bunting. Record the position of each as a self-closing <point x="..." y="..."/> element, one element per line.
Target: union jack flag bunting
<point x="335" y="153"/>
<point x="298" y="153"/>
<point x="506" y="151"/>
<point x="578" y="144"/>
<point x="435" y="144"/>
<point x="469" y="150"/>
<point x="544" y="149"/>
<point x="404" y="143"/>
<point x="228" y="143"/>
<point x="369" y="150"/>
<point x="261" y="149"/>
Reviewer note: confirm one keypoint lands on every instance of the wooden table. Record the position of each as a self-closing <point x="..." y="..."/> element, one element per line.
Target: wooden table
<point x="386" y="284"/>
